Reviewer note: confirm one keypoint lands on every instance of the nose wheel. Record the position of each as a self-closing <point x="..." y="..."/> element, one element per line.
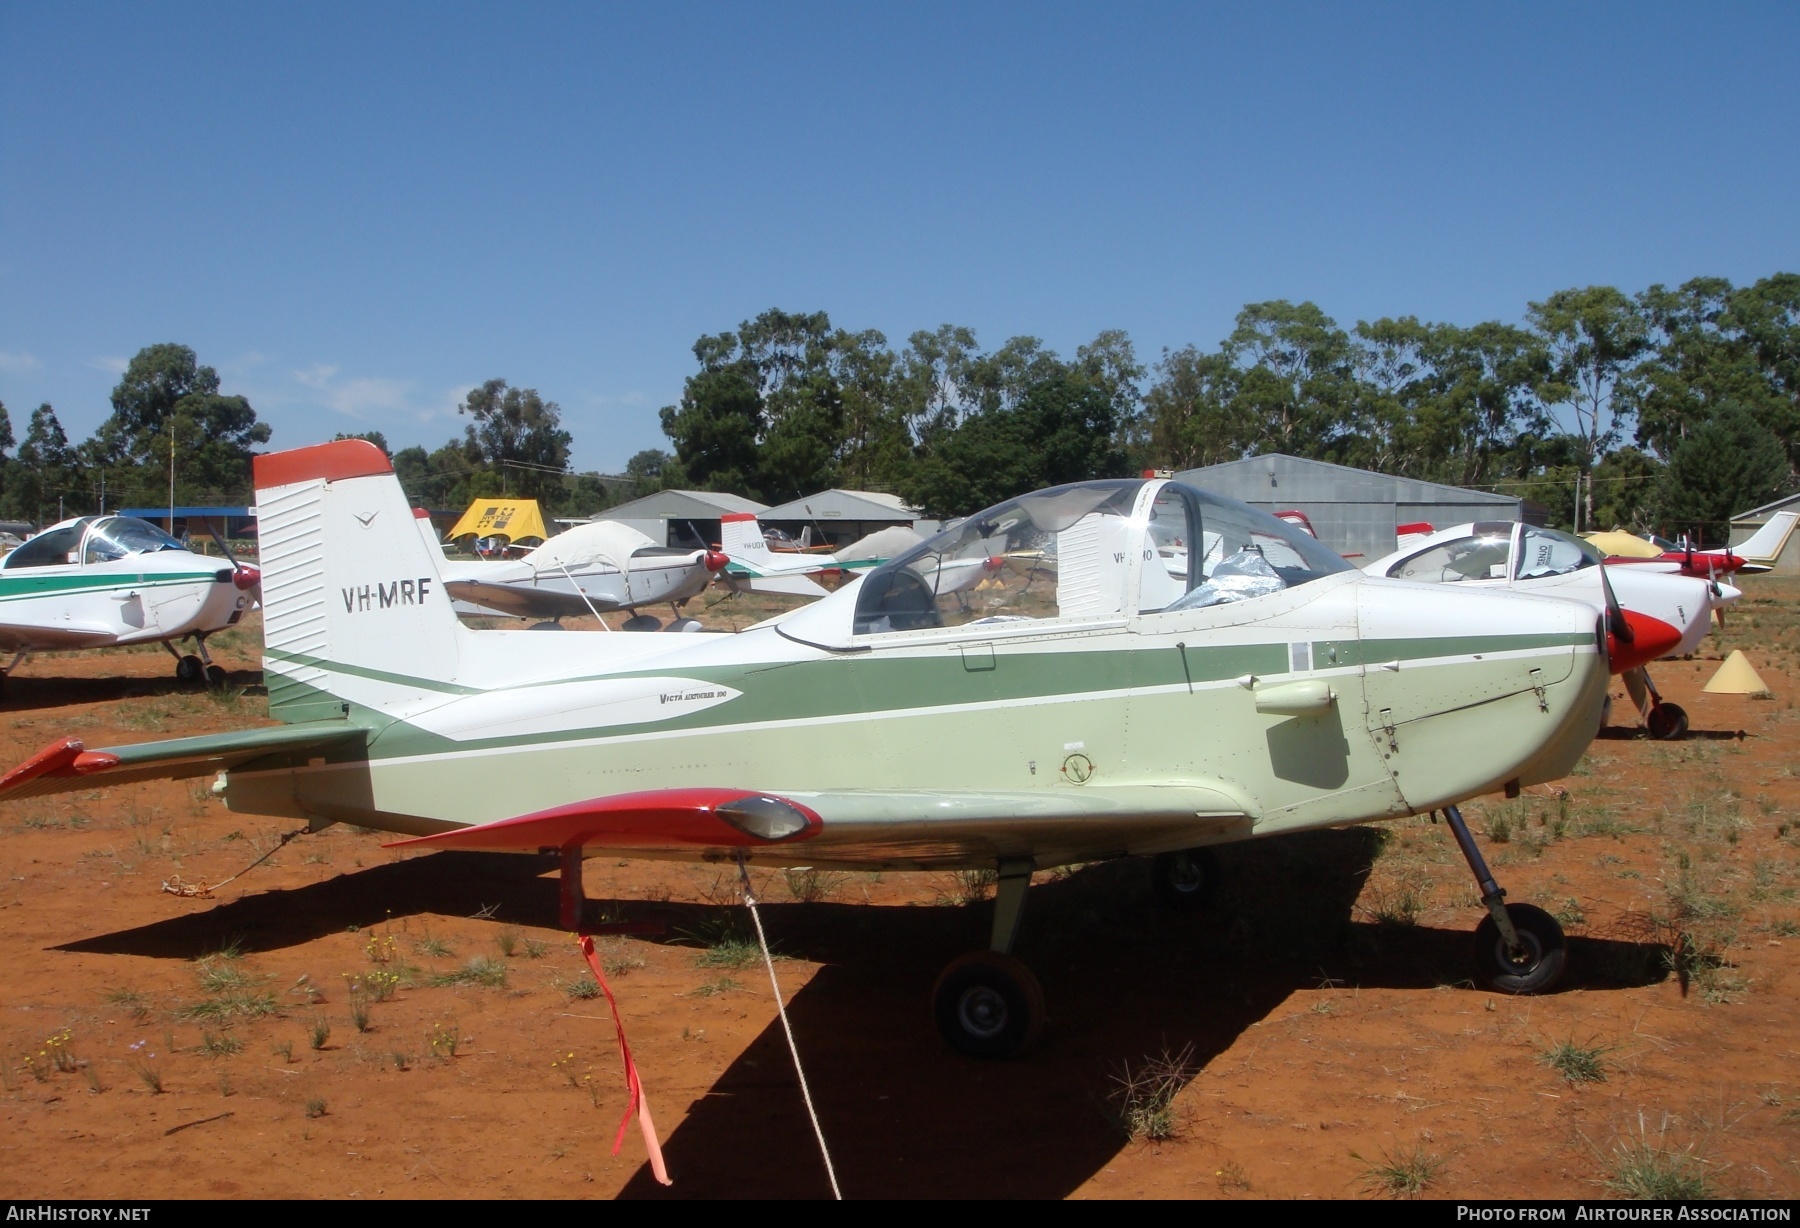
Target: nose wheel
<point x="986" y="1003"/>
<point x="1185" y="879"/>
<point x="1518" y="948"/>
<point x="1665" y="722"/>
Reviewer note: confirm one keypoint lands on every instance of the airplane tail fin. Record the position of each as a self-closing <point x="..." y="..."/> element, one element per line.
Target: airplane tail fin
<point x="354" y="604"/>
<point x="1766" y="544"/>
<point x="742" y="540"/>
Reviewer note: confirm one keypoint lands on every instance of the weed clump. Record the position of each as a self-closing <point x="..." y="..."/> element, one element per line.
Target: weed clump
<point x="1577" y="1063"/>
<point x="1143" y="1097"/>
<point x="482" y="970"/>
<point x="1401" y="1174"/>
<point x="726" y="944"/>
<point x="1656" y="1170"/>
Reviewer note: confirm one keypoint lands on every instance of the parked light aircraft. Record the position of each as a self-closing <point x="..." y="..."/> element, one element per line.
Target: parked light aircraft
<point x="1754" y="555"/>
<point x="1660" y="614"/>
<point x="96" y="581"/>
<point x="592" y="568"/>
<point x="1093" y="704"/>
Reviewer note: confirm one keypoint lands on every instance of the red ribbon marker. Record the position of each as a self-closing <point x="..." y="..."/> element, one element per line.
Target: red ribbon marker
<point x="638" y="1103"/>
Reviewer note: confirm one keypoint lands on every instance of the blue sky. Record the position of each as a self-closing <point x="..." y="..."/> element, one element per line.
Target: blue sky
<point x="357" y="211"/>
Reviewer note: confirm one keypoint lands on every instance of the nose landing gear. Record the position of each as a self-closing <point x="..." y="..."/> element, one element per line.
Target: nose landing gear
<point x="196" y="667"/>
<point x="986" y="1003"/>
<point x="1666" y="722"/>
<point x="1518" y="948"/>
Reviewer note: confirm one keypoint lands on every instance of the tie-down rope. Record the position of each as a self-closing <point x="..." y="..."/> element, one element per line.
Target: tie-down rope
<point x="781" y="1008"/>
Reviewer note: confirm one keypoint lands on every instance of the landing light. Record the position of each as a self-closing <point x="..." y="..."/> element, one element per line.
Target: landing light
<point x="765" y="818"/>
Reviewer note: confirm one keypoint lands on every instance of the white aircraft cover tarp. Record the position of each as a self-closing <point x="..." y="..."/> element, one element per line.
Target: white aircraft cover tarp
<point x="602" y="541"/>
<point x="881" y="544"/>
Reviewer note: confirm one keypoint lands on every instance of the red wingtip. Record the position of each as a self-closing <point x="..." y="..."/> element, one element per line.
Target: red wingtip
<point x="55" y="759"/>
<point x="328" y="462"/>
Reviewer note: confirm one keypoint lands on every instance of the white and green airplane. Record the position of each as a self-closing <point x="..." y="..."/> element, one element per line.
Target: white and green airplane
<point x="98" y="581"/>
<point x="1092" y="698"/>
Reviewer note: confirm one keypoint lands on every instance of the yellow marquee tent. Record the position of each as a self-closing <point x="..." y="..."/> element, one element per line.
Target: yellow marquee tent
<point x="513" y="519"/>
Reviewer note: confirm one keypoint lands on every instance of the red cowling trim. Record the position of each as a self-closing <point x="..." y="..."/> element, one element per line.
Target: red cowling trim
<point x="655" y="819"/>
<point x="329" y="462"/>
<point x="55" y="759"/>
<point x="736" y="517"/>
<point x="1651" y="640"/>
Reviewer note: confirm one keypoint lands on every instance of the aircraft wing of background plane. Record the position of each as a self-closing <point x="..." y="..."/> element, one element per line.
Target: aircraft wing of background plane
<point x="52" y="636"/>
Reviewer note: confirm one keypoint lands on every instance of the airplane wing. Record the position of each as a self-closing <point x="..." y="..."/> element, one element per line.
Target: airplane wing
<point x="50" y="636"/>
<point x="525" y="602"/>
<point x="67" y="765"/>
<point x="866" y="828"/>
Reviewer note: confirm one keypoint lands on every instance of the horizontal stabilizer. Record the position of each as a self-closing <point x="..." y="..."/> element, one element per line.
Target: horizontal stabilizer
<point x="68" y="765"/>
<point x="792" y="586"/>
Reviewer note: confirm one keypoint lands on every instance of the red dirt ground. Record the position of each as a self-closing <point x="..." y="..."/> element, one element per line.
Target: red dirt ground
<point x="1324" y="1002"/>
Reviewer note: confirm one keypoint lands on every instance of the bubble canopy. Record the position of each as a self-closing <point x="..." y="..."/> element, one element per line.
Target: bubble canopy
<point x="1091" y="549"/>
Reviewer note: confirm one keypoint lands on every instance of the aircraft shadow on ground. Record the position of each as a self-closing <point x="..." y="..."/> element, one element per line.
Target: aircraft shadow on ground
<point x="908" y="1117"/>
<point x="25" y="692"/>
<point x="1636" y="733"/>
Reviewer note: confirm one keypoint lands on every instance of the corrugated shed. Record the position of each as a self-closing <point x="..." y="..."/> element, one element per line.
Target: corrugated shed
<point x="1354" y="511"/>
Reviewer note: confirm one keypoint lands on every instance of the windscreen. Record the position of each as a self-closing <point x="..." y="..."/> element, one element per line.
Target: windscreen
<point x="1241" y="552"/>
<point x="1038" y="556"/>
<point x="1546" y="552"/>
<point x="118" y="537"/>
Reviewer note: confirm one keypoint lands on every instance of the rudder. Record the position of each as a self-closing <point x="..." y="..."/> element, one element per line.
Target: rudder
<point x="354" y="606"/>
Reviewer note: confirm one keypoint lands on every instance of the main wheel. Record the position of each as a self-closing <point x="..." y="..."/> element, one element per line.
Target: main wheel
<point x="216" y="675"/>
<point x="642" y="622"/>
<point x="1187" y="879"/>
<point x="1532" y="970"/>
<point x="1667" y="722"/>
<point x="988" y="1005"/>
<point x="190" y="669"/>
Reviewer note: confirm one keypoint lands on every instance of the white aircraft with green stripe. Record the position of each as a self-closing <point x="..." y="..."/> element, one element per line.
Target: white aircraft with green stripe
<point x="1094" y="696"/>
<point x="100" y="581"/>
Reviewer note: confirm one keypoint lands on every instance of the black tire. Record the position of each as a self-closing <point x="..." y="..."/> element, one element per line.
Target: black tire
<point x="1186" y="879"/>
<point x="190" y="669"/>
<point x="988" y="1005"/>
<point x="216" y="675"/>
<point x="641" y="622"/>
<point x="1667" y="722"/>
<point x="1543" y="962"/>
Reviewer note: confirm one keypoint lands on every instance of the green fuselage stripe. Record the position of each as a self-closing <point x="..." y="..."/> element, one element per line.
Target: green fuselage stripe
<point x="873" y="683"/>
<point x="14" y="588"/>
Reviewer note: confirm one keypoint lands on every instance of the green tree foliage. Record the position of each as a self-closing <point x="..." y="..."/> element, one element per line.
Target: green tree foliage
<point x="518" y="436"/>
<point x="1061" y="430"/>
<point x="374" y="437"/>
<point x="1726" y="464"/>
<point x="46" y="469"/>
<point x="167" y="398"/>
<point x="1593" y="337"/>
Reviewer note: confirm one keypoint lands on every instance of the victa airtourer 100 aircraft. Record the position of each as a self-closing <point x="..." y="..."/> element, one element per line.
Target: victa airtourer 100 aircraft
<point x="1104" y="692"/>
<point x="97" y="581"/>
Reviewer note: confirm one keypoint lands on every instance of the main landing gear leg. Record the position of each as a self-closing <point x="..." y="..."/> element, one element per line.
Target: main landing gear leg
<point x="1518" y="948"/>
<point x="988" y="1004"/>
<point x="1666" y="722"/>
<point x="18" y="660"/>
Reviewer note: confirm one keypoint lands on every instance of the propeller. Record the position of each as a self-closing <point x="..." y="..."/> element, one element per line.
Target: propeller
<point x="244" y="576"/>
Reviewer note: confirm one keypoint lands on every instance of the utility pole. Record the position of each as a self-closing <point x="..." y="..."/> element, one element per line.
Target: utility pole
<point x="171" y="524"/>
